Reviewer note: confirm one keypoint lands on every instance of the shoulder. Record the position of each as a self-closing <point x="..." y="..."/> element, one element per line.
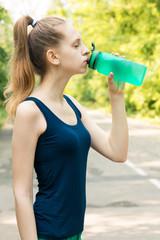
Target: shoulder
<point x="28" y="120"/>
<point x="27" y="112"/>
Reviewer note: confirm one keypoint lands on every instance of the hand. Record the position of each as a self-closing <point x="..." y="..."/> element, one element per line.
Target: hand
<point x="115" y="86"/>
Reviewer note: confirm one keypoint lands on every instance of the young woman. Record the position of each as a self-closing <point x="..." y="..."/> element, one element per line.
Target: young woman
<point x="52" y="131"/>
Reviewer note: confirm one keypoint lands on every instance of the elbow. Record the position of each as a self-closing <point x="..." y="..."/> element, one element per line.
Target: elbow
<point x="22" y="199"/>
<point x="120" y="159"/>
<point x="19" y="195"/>
<point x="121" y="156"/>
<point x="118" y="153"/>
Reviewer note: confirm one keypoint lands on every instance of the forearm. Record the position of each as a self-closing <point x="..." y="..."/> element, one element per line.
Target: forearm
<point x="118" y="137"/>
<point x="25" y="218"/>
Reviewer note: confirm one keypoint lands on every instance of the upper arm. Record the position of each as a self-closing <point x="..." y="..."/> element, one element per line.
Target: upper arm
<point x="24" y="140"/>
<point x="99" y="138"/>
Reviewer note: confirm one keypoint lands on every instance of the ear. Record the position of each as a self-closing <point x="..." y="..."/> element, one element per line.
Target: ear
<point x="52" y="57"/>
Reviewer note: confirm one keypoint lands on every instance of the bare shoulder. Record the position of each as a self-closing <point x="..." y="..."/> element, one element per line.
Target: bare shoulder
<point x="27" y="109"/>
<point x="29" y="115"/>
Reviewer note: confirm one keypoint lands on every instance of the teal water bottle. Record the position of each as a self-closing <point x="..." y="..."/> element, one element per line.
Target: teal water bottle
<point x="123" y="69"/>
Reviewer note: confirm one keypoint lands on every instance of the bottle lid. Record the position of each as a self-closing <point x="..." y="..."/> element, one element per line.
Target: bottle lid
<point x="92" y="60"/>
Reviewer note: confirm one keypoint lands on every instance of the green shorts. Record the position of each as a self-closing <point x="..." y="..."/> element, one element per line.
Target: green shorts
<point x="75" y="237"/>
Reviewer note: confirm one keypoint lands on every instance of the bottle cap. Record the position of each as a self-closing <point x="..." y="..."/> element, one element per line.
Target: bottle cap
<point x="92" y="60"/>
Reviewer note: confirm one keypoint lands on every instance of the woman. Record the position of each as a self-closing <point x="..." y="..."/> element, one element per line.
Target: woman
<point x="52" y="131"/>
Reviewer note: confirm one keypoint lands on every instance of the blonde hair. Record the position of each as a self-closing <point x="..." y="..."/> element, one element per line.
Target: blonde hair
<point x="29" y="57"/>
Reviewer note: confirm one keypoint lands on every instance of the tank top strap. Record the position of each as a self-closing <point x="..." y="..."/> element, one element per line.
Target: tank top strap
<point x="41" y="107"/>
<point x="77" y="111"/>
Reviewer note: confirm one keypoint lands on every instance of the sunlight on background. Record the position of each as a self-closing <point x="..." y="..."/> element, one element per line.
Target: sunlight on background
<point x="35" y="8"/>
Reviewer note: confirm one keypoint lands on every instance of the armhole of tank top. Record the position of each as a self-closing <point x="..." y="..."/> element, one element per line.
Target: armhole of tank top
<point x="44" y="115"/>
<point x="74" y="106"/>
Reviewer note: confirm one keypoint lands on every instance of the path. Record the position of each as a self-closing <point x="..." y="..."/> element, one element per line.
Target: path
<point x="123" y="200"/>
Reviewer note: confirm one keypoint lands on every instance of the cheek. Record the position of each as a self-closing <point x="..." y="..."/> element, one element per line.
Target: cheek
<point x="70" y="60"/>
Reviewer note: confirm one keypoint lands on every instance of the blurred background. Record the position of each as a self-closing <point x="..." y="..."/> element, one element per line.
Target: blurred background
<point x="123" y="200"/>
<point x="129" y="27"/>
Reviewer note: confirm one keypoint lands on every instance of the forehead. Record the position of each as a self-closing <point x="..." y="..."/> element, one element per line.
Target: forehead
<point x="70" y="32"/>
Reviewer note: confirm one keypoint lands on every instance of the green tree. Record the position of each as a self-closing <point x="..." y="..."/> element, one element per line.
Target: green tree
<point x="5" y="50"/>
<point x="5" y="46"/>
<point x="130" y="27"/>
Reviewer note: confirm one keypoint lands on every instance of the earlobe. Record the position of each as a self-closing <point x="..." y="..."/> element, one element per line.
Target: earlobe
<point x="52" y="57"/>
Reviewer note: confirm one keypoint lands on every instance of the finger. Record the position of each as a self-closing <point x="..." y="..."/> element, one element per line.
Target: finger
<point x="122" y="56"/>
<point x="115" y="54"/>
<point x="110" y="77"/>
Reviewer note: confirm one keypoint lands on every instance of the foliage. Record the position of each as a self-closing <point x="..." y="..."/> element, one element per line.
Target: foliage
<point x="130" y="27"/>
<point x="3" y="114"/>
<point x="5" y="47"/>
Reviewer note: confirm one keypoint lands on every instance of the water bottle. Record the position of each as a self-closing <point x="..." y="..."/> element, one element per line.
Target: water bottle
<point x="123" y="69"/>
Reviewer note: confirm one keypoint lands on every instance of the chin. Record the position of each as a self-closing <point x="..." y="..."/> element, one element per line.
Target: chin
<point x="84" y="71"/>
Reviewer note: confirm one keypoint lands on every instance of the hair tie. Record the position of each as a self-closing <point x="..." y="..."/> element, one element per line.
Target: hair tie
<point x="34" y="23"/>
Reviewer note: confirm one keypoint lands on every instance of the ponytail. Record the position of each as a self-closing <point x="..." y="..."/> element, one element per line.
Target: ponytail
<point x="22" y="75"/>
<point x="29" y="57"/>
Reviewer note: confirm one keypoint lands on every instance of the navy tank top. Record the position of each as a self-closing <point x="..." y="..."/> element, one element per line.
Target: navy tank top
<point x="60" y="165"/>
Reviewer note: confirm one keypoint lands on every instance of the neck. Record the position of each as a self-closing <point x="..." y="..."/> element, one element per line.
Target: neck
<point x="52" y="86"/>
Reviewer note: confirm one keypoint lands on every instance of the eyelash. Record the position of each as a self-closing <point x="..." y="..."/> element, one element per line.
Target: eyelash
<point x="77" y="45"/>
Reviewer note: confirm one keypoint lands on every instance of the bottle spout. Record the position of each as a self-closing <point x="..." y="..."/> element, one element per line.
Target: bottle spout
<point x="92" y="59"/>
<point x="92" y="50"/>
<point x="93" y="45"/>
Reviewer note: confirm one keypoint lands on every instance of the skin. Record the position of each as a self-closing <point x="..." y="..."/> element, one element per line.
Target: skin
<point x="63" y="63"/>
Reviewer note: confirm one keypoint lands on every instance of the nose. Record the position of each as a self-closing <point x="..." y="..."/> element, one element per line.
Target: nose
<point x="85" y="51"/>
<point x="88" y="51"/>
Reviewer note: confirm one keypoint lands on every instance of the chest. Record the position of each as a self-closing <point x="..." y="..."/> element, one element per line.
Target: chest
<point x="65" y="140"/>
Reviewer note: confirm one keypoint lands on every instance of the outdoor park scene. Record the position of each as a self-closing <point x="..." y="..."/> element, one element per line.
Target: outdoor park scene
<point x="123" y="200"/>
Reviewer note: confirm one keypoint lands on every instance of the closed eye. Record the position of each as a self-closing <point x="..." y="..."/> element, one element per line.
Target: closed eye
<point x="77" y="45"/>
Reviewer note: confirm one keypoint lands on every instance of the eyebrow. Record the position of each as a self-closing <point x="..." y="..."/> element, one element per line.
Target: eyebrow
<point x="76" y="39"/>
